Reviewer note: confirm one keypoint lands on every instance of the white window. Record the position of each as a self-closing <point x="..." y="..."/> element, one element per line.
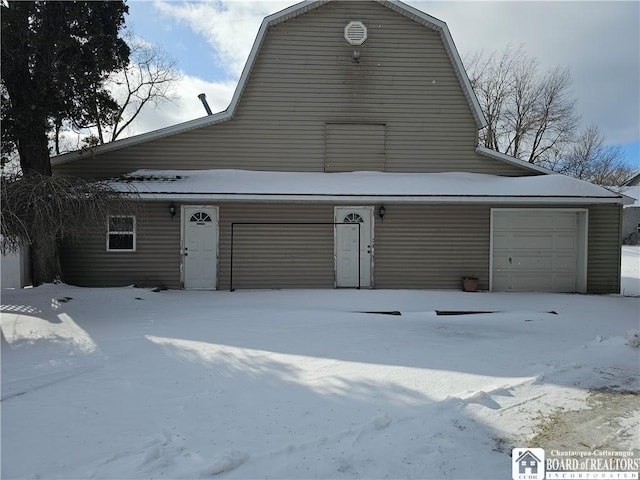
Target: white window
<point x="121" y="234"/>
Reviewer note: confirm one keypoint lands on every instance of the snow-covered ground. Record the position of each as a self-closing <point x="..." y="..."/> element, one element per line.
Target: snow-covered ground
<point x="127" y="383"/>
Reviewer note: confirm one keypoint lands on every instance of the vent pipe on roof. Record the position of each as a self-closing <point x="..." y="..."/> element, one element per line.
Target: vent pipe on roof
<point x="203" y="99"/>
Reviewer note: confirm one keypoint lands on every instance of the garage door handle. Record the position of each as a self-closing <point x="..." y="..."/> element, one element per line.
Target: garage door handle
<point x="510" y="260"/>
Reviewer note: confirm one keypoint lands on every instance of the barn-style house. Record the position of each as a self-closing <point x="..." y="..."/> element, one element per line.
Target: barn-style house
<point x="348" y="157"/>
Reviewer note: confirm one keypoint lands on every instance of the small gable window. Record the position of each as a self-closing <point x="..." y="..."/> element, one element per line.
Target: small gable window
<point x="121" y="234"/>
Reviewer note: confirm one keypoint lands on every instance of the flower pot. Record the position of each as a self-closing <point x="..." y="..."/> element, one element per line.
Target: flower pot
<point x="470" y="284"/>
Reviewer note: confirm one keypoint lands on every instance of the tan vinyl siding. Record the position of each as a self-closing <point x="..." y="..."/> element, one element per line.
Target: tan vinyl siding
<point x="156" y="261"/>
<point x="354" y="147"/>
<point x="603" y="271"/>
<point x="303" y="78"/>
<point x="417" y="246"/>
<point x="432" y="246"/>
<point x="277" y="256"/>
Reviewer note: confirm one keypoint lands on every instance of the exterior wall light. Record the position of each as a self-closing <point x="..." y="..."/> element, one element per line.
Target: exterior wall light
<point x="172" y="210"/>
<point x="381" y="212"/>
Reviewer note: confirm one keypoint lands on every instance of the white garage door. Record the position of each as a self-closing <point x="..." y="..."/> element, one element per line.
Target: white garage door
<point x="538" y="250"/>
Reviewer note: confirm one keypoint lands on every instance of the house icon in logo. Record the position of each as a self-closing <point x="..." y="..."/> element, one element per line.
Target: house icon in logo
<point x="528" y="463"/>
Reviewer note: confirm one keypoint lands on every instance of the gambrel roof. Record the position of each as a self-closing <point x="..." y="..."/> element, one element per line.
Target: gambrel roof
<point x="270" y="21"/>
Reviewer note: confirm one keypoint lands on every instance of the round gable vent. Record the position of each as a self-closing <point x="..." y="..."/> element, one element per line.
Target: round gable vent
<point x="355" y="33"/>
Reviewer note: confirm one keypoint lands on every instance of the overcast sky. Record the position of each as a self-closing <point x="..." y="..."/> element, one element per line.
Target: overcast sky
<point x="598" y="41"/>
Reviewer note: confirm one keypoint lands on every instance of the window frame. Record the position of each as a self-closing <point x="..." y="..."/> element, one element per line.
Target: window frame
<point x="133" y="233"/>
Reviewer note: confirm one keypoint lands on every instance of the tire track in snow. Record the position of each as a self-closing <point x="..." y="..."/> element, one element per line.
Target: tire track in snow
<point x="22" y="386"/>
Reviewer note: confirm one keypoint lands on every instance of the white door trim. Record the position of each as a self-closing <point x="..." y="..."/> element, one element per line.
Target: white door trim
<point x="582" y="240"/>
<point x="370" y="213"/>
<point x="215" y="211"/>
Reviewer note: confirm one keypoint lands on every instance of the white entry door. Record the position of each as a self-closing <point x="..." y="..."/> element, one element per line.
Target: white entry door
<point x="200" y="247"/>
<point x="353" y="260"/>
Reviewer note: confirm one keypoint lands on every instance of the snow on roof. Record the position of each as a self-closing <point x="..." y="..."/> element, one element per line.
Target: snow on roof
<point x="243" y="183"/>
<point x="633" y="192"/>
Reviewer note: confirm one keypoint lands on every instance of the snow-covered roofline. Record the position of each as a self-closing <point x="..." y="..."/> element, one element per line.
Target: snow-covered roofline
<point x="269" y="21"/>
<point x="244" y="185"/>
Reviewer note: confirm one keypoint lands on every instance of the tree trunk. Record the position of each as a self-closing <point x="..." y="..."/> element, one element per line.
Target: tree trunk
<point x="45" y="265"/>
<point x="34" y="150"/>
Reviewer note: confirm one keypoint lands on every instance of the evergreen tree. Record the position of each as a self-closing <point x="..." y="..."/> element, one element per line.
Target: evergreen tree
<point x="56" y="56"/>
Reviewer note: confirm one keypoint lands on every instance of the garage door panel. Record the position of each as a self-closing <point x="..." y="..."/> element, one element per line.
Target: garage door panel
<point x="523" y="282"/>
<point x="565" y="241"/>
<point x="501" y="240"/>
<point x="501" y="262"/>
<point x="564" y="283"/>
<point x="502" y="222"/>
<point x="501" y="282"/>
<point x="565" y="262"/>
<point x="565" y="222"/>
<point x="517" y="221"/>
<point x="531" y="262"/>
<point x="535" y="241"/>
<point x="534" y="251"/>
<point x="527" y="262"/>
<point x="534" y="222"/>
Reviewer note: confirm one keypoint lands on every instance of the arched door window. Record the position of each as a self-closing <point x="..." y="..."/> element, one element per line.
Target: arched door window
<point x="200" y="218"/>
<point x="352" y="218"/>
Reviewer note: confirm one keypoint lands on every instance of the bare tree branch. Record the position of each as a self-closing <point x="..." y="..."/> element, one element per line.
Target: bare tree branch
<point x="589" y="158"/>
<point x="42" y="211"/>
<point x="528" y="111"/>
<point x="148" y="79"/>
